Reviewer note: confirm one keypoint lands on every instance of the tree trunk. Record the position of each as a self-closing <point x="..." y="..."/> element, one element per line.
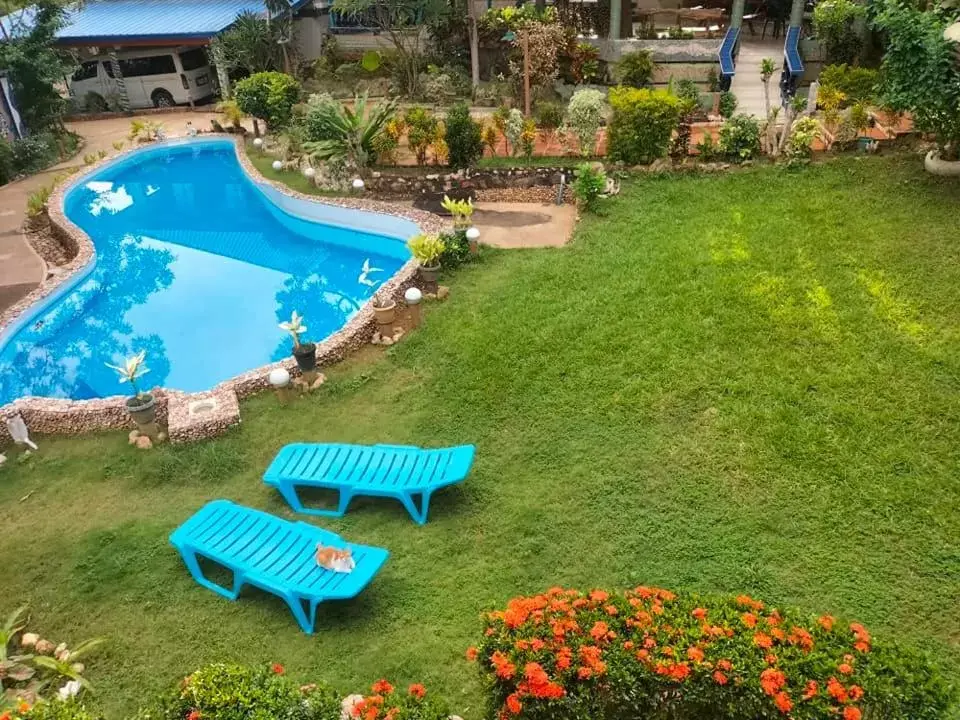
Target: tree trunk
<point x="122" y="98"/>
<point x="474" y="45"/>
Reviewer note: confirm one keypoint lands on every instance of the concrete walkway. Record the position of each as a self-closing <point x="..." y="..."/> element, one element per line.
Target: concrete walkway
<point x="21" y="269"/>
<point x="524" y="225"/>
<point x="747" y="85"/>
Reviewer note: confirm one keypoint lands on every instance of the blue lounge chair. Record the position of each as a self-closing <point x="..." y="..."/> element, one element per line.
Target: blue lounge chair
<point x="396" y="471"/>
<point x="272" y="554"/>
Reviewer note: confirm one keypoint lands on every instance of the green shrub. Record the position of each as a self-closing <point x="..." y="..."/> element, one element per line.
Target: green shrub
<point x="584" y="117"/>
<point x="69" y="709"/>
<point x="802" y="134"/>
<point x="651" y="653"/>
<point x="421" y="131"/>
<point x="589" y="184"/>
<point x="269" y="96"/>
<point x="464" y="137"/>
<point x="635" y="68"/>
<point x="642" y="123"/>
<point x="7" y="171"/>
<point x="858" y="84"/>
<point x="548" y="115"/>
<point x="707" y="148"/>
<point x="687" y="90"/>
<point x="727" y="104"/>
<point x="319" y="106"/>
<point x="34" y="153"/>
<point x="740" y="138"/>
<point x="833" y="21"/>
<point x="456" y="249"/>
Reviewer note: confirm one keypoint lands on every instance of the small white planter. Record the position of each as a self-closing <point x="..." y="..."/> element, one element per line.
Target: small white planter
<point x="935" y="165"/>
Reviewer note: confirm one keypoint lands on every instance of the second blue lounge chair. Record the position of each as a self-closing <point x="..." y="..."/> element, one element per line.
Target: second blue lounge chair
<point x="397" y="471"/>
<point x="273" y="554"/>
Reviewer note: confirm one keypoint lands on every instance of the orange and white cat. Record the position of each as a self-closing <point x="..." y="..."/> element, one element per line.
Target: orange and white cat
<point x="334" y="559"/>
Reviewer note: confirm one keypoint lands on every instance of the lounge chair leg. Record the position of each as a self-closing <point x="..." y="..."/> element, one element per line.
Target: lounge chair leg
<point x="190" y="559"/>
<point x="345" y="497"/>
<point x="420" y="516"/>
<point x="289" y="493"/>
<point x="296" y="607"/>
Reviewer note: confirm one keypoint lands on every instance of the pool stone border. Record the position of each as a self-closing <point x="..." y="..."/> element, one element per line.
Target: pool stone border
<point x="57" y="416"/>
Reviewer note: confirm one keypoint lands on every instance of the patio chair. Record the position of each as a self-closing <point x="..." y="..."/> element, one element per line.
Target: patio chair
<point x="395" y="471"/>
<point x="273" y="554"/>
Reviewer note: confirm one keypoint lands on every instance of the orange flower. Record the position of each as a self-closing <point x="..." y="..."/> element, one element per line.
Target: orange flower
<point x="418" y="690"/>
<point x="679" y="671"/>
<point x="783" y="703"/>
<point x="770" y="659"/>
<point x="772" y="680"/>
<point x="514" y="706"/>
<point x="193" y="715"/>
<point x="778" y="634"/>
<point x="851" y="713"/>
<point x="861" y="646"/>
<point x="749" y="619"/>
<point x="382" y="687"/>
<point x="811" y="690"/>
<point x="471" y="653"/>
<point x="856" y="692"/>
<point x="599" y="596"/>
<point x="537" y="644"/>
<point x="643" y="655"/>
<point x="628" y="645"/>
<point x="695" y="654"/>
<point x="584" y="673"/>
<point x="610" y="609"/>
<point x="371" y="713"/>
<point x="564" y="658"/>
<point x="599" y="631"/>
<point x="392" y="714"/>
<point x="720" y="678"/>
<point x="277" y="668"/>
<point x="845" y="668"/>
<point x="23" y="706"/>
<point x="774" y="618"/>
<point x="762" y="640"/>
<point x="826" y="622"/>
<point x="836" y="690"/>
<point x="699" y="613"/>
<point x="649" y="643"/>
<point x="725" y="665"/>
<point x="799" y="636"/>
<point x="5" y="716"/>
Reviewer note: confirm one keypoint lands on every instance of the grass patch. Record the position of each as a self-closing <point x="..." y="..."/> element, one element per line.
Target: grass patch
<point x="743" y="382"/>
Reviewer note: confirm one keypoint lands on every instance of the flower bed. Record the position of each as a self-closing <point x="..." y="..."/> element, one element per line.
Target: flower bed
<point x="649" y="652"/>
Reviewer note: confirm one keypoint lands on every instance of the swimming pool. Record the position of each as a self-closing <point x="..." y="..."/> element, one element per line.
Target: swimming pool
<point x="196" y="264"/>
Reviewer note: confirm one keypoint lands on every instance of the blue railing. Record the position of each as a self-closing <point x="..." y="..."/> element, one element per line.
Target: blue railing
<point x="726" y="56"/>
<point x="792" y="65"/>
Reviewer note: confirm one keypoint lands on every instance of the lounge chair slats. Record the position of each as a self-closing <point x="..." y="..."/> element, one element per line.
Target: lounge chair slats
<point x="273" y="554"/>
<point x="399" y="471"/>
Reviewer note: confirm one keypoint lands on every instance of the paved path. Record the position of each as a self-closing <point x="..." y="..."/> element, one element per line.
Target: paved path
<point x="524" y="225"/>
<point x="747" y="85"/>
<point x="21" y="269"/>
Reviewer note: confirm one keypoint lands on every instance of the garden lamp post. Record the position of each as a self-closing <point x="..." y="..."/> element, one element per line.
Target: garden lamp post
<point x="510" y="36"/>
<point x="412" y="297"/>
<point x="279" y="379"/>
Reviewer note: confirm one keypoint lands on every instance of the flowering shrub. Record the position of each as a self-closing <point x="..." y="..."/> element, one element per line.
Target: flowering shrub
<point x="389" y="703"/>
<point x="642" y="124"/>
<point x="649" y="652"/>
<point x="66" y="709"/>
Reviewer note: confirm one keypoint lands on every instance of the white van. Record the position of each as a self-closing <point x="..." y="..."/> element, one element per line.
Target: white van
<point x="154" y="78"/>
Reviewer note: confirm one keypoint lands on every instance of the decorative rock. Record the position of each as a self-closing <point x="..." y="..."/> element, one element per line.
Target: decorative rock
<point x="44" y="647"/>
<point x="28" y="640"/>
<point x="443" y="292"/>
<point x="386" y="340"/>
<point x="133" y="436"/>
<point x="375" y="340"/>
<point x="161" y="436"/>
<point x="144" y="442"/>
<point x="398" y="334"/>
<point x="321" y="379"/>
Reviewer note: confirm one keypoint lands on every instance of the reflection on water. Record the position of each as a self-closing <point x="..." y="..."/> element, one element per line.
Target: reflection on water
<point x="195" y="267"/>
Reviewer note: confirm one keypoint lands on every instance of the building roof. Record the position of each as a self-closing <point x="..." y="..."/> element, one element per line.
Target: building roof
<point x="124" y="22"/>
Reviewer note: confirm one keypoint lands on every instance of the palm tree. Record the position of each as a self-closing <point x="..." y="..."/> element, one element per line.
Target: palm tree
<point x="281" y="12"/>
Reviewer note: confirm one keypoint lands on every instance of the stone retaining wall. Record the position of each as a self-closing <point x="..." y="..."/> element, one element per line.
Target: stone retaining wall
<point x="507" y="184"/>
<point x="74" y="417"/>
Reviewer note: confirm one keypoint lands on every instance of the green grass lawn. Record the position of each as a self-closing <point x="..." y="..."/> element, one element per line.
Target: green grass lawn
<point x="747" y="382"/>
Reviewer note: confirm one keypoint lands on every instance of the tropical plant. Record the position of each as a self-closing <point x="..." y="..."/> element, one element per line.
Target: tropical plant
<point x="514" y="129"/>
<point x="438" y="145"/>
<point x="803" y="132"/>
<point x="635" y="68"/>
<point x="143" y="131"/>
<point x="118" y="145"/>
<point x="464" y="137"/>
<point x="641" y="125"/>
<point x="500" y="117"/>
<point x="584" y="117"/>
<point x="706" y="147"/>
<point x="652" y="653"/>
<point x="295" y="327"/>
<point x="421" y="131"/>
<point x="460" y="210"/>
<point x="456" y="249"/>
<point x="740" y="138"/>
<point x="348" y="133"/>
<point x="833" y="22"/>
<point x="589" y="184"/>
<point x="132" y="370"/>
<point x="427" y="249"/>
<point x="584" y="62"/>
<point x="231" y="113"/>
<point x="528" y="138"/>
<point x="728" y="104"/>
<point x="252" y="44"/>
<point x="268" y="96"/>
<point x="491" y="136"/>
<point x="386" y="143"/>
<point x="399" y="21"/>
<point x="856" y="83"/>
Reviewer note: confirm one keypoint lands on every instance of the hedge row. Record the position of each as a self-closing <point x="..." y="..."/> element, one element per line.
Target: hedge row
<point x="651" y="653"/>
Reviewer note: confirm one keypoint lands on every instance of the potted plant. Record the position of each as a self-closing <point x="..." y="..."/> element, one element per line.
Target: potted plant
<point x="427" y="249"/>
<point x="384" y="309"/>
<point x="304" y="353"/>
<point x="142" y="406"/>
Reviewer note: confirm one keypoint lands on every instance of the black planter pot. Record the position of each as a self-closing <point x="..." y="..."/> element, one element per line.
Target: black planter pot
<point x="306" y="357"/>
<point x="142" y="408"/>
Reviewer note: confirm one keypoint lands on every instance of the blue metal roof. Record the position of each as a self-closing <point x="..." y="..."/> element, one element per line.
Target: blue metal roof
<point x="117" y="21"/>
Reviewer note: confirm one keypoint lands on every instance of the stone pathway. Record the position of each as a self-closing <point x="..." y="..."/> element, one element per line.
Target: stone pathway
<point x="747" y="85"/>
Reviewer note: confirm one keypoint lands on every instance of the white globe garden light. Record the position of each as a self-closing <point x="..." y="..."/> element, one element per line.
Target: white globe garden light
<point x="358" y="184"/>
<point x="258" y="143"/>
<point x="473" y="234"/>
<point x="277" y="165"/>
<point x="310" y="172"/>
<point x="413" y="296"/>
<point x="279" y="377"/>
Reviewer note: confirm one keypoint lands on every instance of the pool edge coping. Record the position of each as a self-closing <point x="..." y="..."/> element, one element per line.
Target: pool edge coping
<point x="61" y="416"/>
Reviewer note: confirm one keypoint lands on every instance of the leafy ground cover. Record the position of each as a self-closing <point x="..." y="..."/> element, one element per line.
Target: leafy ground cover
<point x="737" y="383"/>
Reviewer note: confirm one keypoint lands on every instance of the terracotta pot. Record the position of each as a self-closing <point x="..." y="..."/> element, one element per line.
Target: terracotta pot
<point x="429" y="274"/>
<point x="306" y="357"/>
<point x="386" y="314"/>
<point x="142" y="408"/>
<point x="935" y="165"/>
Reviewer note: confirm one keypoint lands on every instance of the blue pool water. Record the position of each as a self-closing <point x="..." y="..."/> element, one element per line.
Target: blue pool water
<point x="196" y="265"/>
